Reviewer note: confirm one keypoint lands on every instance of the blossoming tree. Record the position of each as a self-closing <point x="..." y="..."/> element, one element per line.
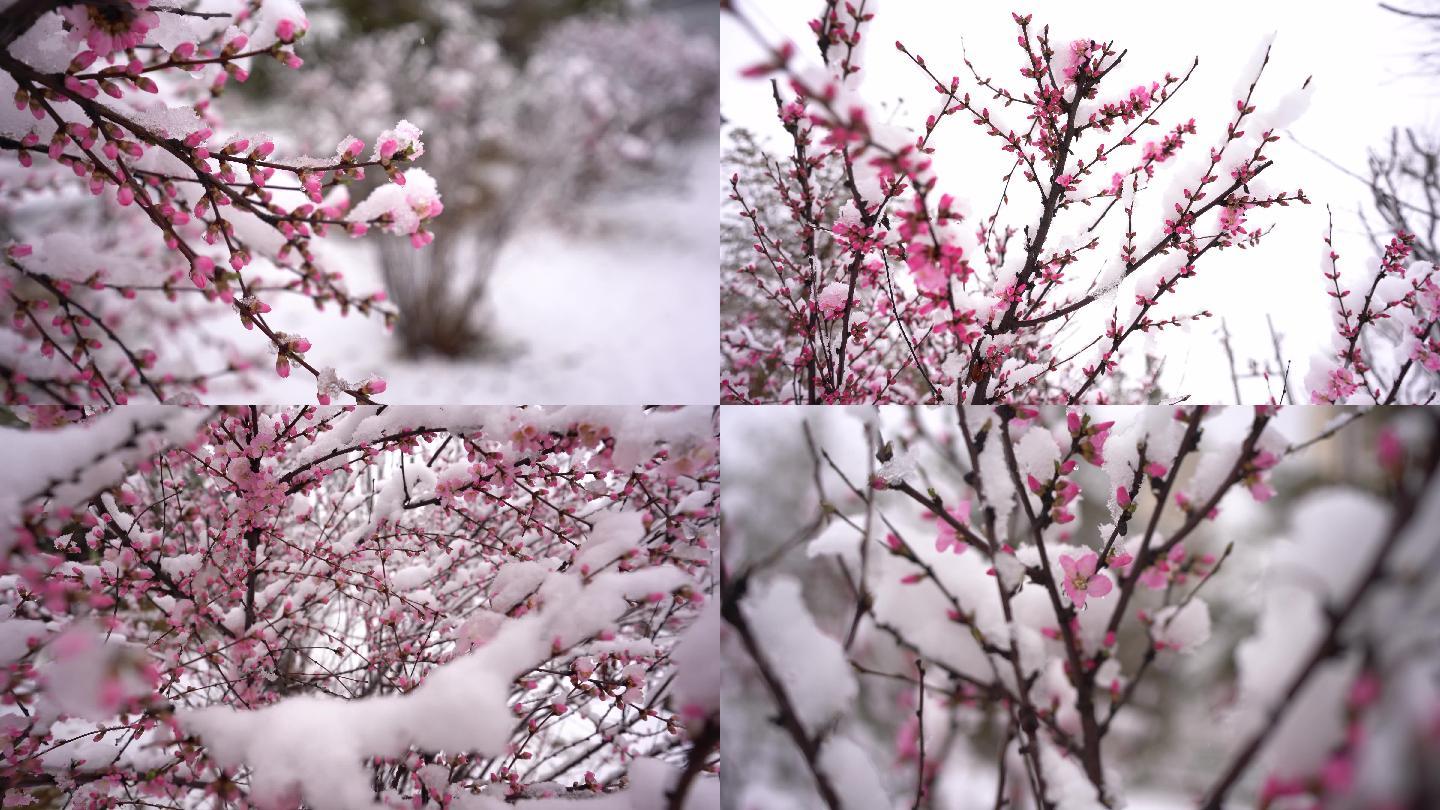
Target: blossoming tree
<point x="872" y="280"/>
<point x="1017" y="608"/>
<point x="105" y="300"/>
<point x="361" y="607"/>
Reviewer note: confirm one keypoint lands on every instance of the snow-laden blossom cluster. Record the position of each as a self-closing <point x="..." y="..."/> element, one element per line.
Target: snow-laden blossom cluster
<point x="361" y="607"/>
<point x="402" y="208"/>
<point x="1386" y="345"/>
<point x="946" y="638"/>
<point x="117" y="100"/>
<point x="1109" y="205"/>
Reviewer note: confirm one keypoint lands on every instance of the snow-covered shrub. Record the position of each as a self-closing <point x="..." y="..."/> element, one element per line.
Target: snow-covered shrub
<point x="360" y="607"/>
<point x="521" y="129"/>
<point x="133" y="214"/>
<point x="1074" y="609"/>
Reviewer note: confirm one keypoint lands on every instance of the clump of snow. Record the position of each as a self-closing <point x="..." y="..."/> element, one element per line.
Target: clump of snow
<point x="852" y="773"/>
<point x="920" y="613"/>
<point x="1246" y="73"/>
<point x="1183" y="628"/>
<point x="168" y="122"/>
<point x="180" y="565"/>
<point x="84" y="675"/>
<point x="696" y="690"/>
<point x="477" y="630"/>
<point x="839" y="539"/>
<point x="1290" y="107"/>
<point x="1069" y="787"/>
<point x="999" y="487"/>
<point x="44" y="46"/>
<point x="902" y="465"/>
<point x="578" y="612"/>
<point x="811" y="665"/>
<point x="614" y="535"/>
<point x="17" y="635"/>
<point x="1036" y="453"/>
<point x="170" y="30"/>
<point x="695" y="501"/>
<point x="831" y="299"/>
<point x="515" y="581"/>
<point x="411" y="577"/>
<point x="269" y="18"/>
<point x="1333" y="535"/>
<point x="1329" y="526"/>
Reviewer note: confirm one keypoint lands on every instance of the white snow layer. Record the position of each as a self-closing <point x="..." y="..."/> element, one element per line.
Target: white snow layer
<point x="316" y="746"/>
<point x="74" y="463"/>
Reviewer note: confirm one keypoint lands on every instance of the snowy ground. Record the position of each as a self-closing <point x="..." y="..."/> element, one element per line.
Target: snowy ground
<point x="626" y="312"/>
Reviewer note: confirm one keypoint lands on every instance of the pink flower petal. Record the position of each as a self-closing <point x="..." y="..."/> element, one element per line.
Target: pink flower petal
<point x="1099" y="585"/>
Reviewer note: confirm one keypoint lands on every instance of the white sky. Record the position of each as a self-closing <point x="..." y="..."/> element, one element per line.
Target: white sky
<point x="1367" y="80"/>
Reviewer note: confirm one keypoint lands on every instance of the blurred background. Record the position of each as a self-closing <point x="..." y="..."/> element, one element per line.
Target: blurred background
<point x="574" y="144"/>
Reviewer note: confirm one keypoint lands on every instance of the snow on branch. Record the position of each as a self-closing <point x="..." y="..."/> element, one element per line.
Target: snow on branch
<point x="1052" y="607"/>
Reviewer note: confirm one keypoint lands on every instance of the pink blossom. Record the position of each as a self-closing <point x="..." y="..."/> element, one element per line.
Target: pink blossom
<point x="286" y="30"/>
<point x="948" y="537"/>
<point x="1121" y="559"/>
<point x="107" y="30"/>
<point x="1081" y="580"/>
<point x="1389" y="450"/>
<point x="1338" y="773"/>
<point x="907" y="740"/>
<point x="1157" y="576"/>
<point x="1276" y="787"/>
<point x="202" y="269"/>
<point x="1255" y="480"/>
<point x="1365" y="690"/>
<point x="350" y="148"/>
